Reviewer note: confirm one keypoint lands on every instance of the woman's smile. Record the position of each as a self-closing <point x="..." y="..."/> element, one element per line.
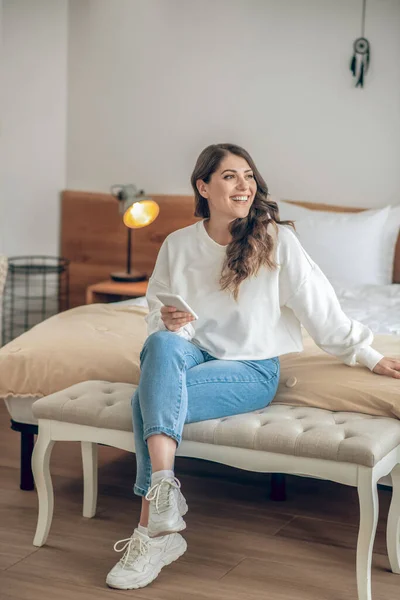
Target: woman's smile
<point x="240" y="199"/>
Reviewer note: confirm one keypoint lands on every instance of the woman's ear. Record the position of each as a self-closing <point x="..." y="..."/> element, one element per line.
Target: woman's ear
<point x="202" y="188"/>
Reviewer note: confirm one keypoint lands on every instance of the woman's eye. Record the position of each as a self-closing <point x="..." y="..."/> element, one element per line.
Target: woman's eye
<point x="250" y="176"/>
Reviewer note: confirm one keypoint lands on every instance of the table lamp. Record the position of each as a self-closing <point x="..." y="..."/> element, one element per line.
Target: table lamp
<point x="138" y="211"/>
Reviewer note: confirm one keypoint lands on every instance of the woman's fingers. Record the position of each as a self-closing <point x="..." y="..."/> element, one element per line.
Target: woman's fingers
<point x="392" y="373"/>
<point x="395" y="368"/>
<point x="389" y="367"/>
<point x="174" y="319"/>
<point x="173" y="312"/>
<point x="176" y="324"/>
<point x="165" y="310"/>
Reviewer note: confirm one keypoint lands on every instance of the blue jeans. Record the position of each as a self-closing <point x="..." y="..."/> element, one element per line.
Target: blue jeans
<point x="180" y="383"/>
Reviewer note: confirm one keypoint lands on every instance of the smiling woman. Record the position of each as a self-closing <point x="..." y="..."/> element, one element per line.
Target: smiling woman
<point x="252" y="284"/>
<point x="229" y="188"/>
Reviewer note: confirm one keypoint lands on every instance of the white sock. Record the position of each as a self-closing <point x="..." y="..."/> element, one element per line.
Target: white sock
<point x="142" y="529"/>
<point x="158" y="475"/>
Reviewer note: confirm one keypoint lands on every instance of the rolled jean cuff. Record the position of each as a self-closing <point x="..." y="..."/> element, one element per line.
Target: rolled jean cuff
<point x="138" y="491"/>
<point x="169" y="432"/>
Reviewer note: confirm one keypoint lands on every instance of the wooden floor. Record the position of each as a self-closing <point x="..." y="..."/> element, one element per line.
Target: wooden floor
<point x="241" y="545"/>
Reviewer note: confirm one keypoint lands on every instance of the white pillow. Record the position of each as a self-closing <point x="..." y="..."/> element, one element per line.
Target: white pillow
<point x="350" y="248"/>
<point x="392" y="230"/>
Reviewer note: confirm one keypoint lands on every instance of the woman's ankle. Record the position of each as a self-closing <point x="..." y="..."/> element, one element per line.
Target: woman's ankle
<point x="157" y="475"/>
<point x="144" y="513"/>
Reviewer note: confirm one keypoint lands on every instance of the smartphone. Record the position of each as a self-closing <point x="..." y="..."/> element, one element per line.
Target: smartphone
<point x="176" y="301"/>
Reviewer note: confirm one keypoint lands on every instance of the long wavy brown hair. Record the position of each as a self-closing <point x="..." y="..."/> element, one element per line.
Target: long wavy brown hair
<point x="251" y="246"/>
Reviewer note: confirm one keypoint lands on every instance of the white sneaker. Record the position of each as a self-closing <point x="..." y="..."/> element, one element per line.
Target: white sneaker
<point x="167" y="506"/>
<point x="143" y="559"/>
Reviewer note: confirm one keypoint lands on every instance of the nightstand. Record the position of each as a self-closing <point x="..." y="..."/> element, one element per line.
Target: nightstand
<point x="113" y="291"/>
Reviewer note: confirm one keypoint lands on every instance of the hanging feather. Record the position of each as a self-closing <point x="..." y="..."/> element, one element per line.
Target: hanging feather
<point x="353" y="65"/>
<point x="361" y="78"/>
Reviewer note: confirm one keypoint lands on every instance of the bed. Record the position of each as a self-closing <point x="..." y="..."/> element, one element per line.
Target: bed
<point x="93" y="238"/>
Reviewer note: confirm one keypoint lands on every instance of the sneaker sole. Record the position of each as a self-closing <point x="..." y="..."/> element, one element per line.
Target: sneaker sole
<point x="180" y="526"/>
<point x="184" y="509"/>
<point x="166" y="561"/>
<point x="176" y="528"/>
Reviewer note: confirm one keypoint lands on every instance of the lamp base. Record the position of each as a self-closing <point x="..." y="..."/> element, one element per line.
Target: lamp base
<point x="128" y="277"/>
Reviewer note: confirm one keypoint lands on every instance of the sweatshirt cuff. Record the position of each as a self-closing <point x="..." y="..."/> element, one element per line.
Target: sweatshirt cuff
<point x="186" y="332"/>
<point x="368" y="357"/>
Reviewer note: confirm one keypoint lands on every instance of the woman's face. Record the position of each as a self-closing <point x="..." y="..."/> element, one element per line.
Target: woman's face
<point x="231" y="189"/>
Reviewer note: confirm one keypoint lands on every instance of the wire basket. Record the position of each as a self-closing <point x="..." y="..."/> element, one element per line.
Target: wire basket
<point x="37" y="287"/>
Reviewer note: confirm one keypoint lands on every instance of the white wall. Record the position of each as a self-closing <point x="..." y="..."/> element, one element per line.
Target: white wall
<point x="151" y="82"/>
<point x="33" y="124"/>
<point x="2" y="203"/>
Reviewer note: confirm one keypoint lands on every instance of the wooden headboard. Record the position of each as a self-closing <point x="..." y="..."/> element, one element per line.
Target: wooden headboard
<point x="93" y="236"/>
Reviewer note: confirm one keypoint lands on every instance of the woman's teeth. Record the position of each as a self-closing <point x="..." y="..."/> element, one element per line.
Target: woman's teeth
<point x="240" y="198"/>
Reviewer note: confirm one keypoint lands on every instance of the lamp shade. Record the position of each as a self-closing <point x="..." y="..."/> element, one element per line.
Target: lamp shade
<point x="141" y="213"/>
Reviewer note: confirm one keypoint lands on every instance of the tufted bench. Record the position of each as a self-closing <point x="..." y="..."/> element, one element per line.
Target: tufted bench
<point x="349" y="448"/>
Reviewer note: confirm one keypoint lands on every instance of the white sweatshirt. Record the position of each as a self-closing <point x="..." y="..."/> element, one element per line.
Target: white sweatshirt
<point x="266" y="320"/>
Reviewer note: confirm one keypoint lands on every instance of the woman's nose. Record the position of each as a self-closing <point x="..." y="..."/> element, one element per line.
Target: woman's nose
<point x="242" y="184"/>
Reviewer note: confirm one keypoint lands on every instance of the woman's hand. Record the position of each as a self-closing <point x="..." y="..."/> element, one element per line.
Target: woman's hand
<point x="389" y="367"/>
<point x="174" y="319"/>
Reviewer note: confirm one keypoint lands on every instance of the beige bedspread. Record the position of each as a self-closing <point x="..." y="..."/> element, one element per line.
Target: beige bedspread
<point x="103" y="342"/>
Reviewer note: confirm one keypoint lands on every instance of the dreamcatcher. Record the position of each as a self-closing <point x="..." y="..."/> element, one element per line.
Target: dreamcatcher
<point x="361" y="57"/>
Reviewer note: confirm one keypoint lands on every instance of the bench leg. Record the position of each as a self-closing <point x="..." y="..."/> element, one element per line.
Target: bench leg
<point x="28" y="432"/>
<point x="369" y="510"/>
<point x="278" y="487"/>
<point x="26" y="476"/>
<point x="44" y="487"/>
<point x="393" y="524"/>
<point x="89" y="462"/>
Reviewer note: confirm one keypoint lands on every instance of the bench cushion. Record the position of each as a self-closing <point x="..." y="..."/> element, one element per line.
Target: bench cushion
<point x="297" y="431"/>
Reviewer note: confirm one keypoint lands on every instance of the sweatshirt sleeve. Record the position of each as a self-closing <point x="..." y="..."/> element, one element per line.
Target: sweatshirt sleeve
<point x="304" y="288"/>
<point x="160" y="282"/>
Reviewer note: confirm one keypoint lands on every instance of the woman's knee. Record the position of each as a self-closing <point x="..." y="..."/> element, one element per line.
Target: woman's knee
<point x="161" y="342"/>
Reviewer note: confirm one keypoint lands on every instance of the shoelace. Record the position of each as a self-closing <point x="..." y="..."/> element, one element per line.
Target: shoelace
<point x="161" y="493"/>
<point x="133" y="550"/>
